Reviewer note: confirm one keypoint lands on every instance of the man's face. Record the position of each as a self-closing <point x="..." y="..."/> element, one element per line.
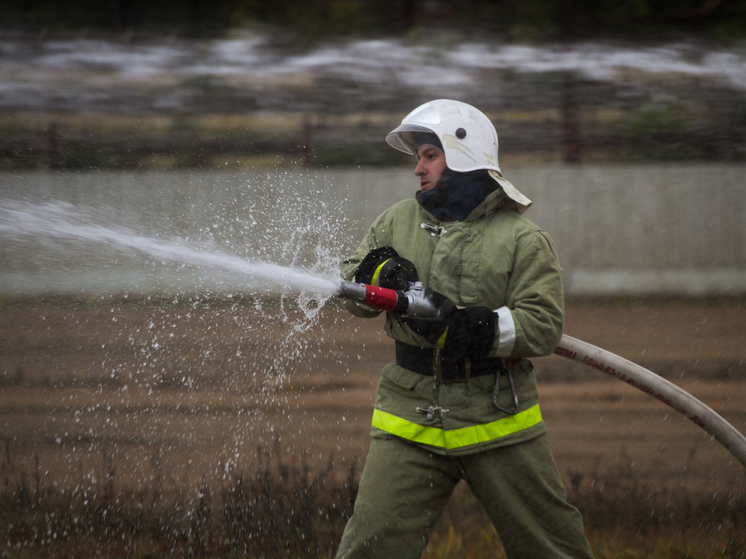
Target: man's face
<point x="431" y="164"/>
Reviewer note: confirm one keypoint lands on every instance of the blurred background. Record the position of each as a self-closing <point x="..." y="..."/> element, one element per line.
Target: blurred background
<point x="128" y="84"/>
<point x="152" y="408"/>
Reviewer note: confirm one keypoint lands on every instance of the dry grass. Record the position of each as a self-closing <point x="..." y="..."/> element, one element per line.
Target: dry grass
<point x="277" y="508"/>
<point x="274" y="509"/>
<point x="280" y="509"/>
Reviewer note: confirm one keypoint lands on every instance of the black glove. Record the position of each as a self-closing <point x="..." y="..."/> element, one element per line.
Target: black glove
<point x="383" y="267"/>
<point x="457" y="332"/>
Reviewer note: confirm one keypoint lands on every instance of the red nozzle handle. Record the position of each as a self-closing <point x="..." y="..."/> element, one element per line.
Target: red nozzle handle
<point x="384" y="299"/>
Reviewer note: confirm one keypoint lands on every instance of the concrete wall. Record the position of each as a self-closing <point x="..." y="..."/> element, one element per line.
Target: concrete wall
<point x="634" y="230"/>
<point x="644" y="229"/>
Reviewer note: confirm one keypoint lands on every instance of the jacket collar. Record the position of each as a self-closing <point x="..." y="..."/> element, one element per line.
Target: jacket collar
<point x="494" y="201"/>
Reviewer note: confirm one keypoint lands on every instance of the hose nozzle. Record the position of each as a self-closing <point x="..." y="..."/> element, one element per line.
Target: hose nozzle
<point x="413" y="302"/>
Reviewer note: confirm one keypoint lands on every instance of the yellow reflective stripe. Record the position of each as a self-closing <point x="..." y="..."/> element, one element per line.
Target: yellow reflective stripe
<point x="456" y="438"/>
<point x="374" y="279"/>
<point x="442" y="340"/>
<point x="408" y="430"/>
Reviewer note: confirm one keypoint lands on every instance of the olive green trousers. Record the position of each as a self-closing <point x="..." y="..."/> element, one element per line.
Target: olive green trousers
<point x="405" y="488"/>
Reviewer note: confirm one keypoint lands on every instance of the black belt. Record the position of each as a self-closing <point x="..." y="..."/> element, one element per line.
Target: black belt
<point x="422" y="360"/>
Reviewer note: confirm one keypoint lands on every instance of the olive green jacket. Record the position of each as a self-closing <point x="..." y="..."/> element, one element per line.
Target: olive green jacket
<point x="494" y="258"/>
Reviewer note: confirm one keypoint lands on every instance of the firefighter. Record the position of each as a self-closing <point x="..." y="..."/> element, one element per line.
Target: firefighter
<point x="460" y="402"/>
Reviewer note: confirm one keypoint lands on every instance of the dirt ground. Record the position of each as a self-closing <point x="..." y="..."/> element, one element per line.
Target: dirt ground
<point x="173" y="393"/>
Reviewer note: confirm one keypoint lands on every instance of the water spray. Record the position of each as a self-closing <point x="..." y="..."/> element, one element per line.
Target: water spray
<point x="416" y="303"/>
<point x="53" y="220"/>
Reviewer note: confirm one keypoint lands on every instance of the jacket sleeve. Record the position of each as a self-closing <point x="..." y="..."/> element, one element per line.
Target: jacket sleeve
<point x="373" y="239"/>
<point x="530" y="325"/>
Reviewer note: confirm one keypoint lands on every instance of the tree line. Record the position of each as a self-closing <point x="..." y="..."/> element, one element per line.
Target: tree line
<point x="539" y="19"/>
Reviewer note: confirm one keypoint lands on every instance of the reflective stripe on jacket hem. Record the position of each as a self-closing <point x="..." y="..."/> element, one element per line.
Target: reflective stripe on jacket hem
<point x="456" y="438"/>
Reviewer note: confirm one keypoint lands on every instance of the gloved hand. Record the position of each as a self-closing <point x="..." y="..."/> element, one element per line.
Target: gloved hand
<point x="383" y="267"/>
<point x="457" y="332"/>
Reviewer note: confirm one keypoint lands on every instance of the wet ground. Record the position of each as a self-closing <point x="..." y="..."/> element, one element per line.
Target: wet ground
<point x="175" y="393"/>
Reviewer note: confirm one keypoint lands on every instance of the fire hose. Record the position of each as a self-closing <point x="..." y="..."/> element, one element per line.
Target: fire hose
<point x="415" y="302"/>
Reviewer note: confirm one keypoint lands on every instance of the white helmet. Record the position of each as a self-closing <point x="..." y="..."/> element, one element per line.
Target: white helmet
<point x="468" y="138"/>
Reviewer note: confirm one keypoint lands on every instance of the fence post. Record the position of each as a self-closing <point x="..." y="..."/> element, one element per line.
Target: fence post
<point x="308" y="154"/>
<point x="570" y="128"/>
<point x="55" y="161"/>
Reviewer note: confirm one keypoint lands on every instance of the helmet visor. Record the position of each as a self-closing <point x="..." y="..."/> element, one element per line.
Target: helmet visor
<point x="408" y="138"/>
